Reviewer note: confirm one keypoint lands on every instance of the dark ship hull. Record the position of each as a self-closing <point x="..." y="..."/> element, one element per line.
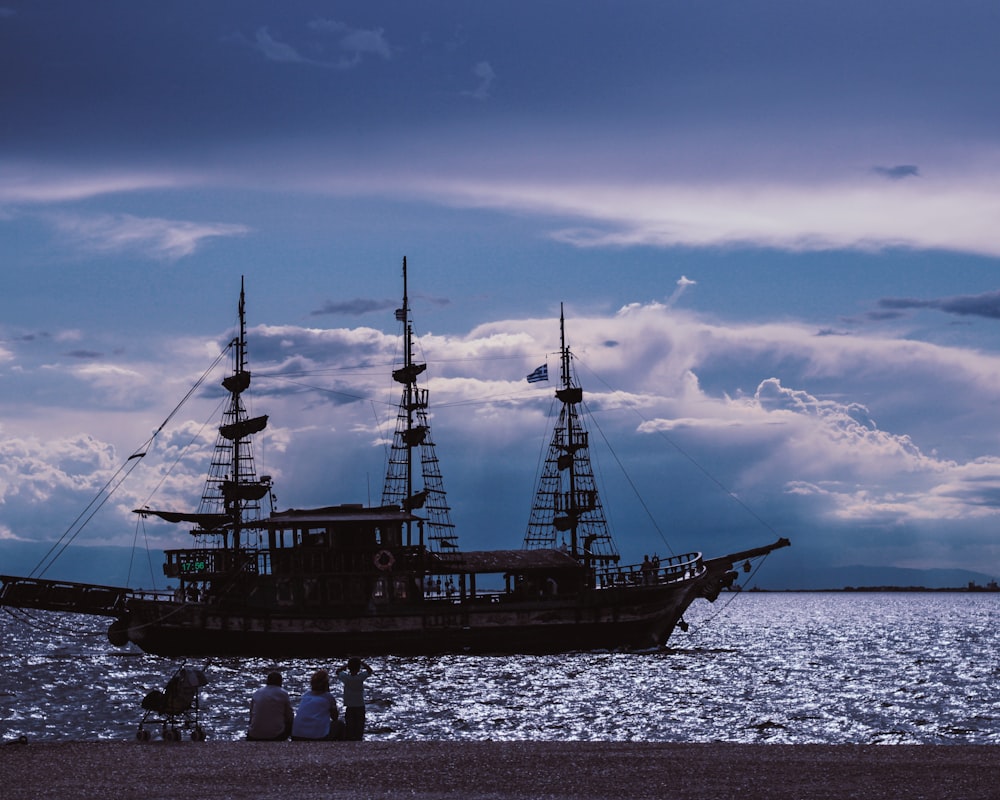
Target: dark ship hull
<point x="339" y="580"/>
<point x="635" y="611"/>
<point x="614" y="617"/>
<point x="530" y="629"/>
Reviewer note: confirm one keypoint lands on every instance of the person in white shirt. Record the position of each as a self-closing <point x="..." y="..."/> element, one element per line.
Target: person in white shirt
<point x="271" y="712"/>
<point x="353" y="675"/>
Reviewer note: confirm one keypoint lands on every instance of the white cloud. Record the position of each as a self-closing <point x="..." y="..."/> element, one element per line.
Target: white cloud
<point x="357" y="42"/>
<point x="157" y="238"/>
<point x="276" y="51"/>
<point x="484" y="71"/>
<point x="798" y="218"/>
<point x="31" y="183"/>
<point x="353" y="45"/>
<point x="767" y="431"/>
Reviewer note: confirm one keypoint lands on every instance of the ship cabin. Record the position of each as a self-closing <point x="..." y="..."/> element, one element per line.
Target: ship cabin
<point x="352" y="557"/>
<point x="496" y="576"/>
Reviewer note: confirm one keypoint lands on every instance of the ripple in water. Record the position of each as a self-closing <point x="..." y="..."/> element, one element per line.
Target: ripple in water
<point x="782" y="668"/>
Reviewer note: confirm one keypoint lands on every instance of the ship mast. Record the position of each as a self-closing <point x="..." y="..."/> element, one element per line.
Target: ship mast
<point x="567" y="511"/>
<point x="232" y="487"/>
<point x="232" y="494"/>
<point x="413" y="436"/>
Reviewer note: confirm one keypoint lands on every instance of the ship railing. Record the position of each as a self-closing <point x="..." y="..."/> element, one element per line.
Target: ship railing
<point x="653" y="572"/>
<point x="205" y="563"/>
<point x="157" y="595"/>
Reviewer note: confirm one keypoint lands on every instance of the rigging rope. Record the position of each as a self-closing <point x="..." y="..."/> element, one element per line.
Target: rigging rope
<point x="36" y="623"/>
<point x="104" y="493"/>
<point x="628" y="478"/>
<point x="704" y="471"/>
<point x="720" y="610"/>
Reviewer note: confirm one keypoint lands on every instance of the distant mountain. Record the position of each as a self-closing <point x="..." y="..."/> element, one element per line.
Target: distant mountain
<point x="108" y="565"/>
<point x="859" y="577"/>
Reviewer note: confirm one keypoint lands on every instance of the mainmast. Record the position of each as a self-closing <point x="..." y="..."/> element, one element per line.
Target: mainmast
<point x="567" y="511"/>
<point x="413" y="436"/>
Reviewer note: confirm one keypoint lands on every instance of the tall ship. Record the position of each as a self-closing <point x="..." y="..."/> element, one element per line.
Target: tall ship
<point x="393" y="579"/>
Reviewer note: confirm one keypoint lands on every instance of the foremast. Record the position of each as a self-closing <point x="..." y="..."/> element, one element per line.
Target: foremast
<point x="567" y="512"/>
<point x="231" y="499"/>
<point x="412" y="439"/>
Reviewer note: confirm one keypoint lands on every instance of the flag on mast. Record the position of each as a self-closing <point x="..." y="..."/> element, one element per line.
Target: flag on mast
<point x="540" y="374"/>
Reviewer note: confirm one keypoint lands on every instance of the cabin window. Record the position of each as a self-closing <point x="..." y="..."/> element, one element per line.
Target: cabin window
<point x="387" y="536"/>
<point x="401" y="589"/>
<point x="379" y="591"/>
<point x="283" y="593"/>
<point x="315" y="537"/>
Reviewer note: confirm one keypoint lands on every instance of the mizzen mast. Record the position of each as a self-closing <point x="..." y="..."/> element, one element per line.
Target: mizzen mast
<point x="412" y="438"/>
<point x="567" y="512"/>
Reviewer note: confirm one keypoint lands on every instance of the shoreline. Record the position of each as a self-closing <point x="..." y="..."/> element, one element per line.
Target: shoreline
<point x="492" y="770"/>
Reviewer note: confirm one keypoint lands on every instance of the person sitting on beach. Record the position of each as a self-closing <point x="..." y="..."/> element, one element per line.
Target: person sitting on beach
<point x="354" y="679"/>
<point x="271" y="712"/>
<point x="317" y="717"/>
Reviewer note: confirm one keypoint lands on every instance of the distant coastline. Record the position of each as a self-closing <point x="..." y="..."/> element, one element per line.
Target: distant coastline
<point x="973" y="588"/>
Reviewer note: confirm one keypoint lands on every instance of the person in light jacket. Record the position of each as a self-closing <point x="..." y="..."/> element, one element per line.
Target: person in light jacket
<point x="317" y="717"/>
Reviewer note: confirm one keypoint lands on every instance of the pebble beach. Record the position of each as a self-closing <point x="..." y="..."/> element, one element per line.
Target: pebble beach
<point x="491" y="770"/>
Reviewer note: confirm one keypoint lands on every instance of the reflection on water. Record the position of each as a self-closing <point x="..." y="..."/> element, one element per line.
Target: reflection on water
<point x="788" y="668"/>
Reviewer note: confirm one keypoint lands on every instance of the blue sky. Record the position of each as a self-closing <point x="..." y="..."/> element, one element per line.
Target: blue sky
<point x="773" y="226"/>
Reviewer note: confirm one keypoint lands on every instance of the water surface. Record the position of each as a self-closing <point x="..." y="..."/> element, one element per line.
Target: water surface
<point x="754" y="667"/>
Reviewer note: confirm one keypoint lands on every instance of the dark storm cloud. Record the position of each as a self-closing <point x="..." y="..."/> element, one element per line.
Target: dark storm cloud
<point x="31" y="337"/>
<point x="898" y="172"/>
<point x="354" y="308"/>
<point x="986" y="304"/>
<point x="882" y="316"/>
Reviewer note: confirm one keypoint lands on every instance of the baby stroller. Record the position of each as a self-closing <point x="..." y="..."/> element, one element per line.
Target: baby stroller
<point x="176" y="706"/>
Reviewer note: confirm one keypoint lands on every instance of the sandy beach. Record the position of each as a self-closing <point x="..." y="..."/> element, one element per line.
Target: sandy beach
<point x="488" y="770"/>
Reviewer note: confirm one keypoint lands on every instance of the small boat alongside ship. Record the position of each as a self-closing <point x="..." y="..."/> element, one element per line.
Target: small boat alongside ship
<point x="392" y="579"/>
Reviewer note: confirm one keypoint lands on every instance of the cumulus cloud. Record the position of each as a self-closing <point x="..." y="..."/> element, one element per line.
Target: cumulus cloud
<point x="771" y="411"/>
<point x="154" y="237"/>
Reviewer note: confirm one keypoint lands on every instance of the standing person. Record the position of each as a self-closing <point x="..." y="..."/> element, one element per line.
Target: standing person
<point x="353" y="676"/>
<point x="317" y="718"/>
<point x="271" y="712"/>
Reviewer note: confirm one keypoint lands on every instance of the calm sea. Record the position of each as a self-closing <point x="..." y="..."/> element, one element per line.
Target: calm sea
<point x="784" y="668"/>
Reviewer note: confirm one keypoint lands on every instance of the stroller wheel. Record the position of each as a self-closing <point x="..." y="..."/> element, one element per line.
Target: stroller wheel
<point x="142" y="735"/>
<point x="171" y="735"/>
<point x="198" y="734"/>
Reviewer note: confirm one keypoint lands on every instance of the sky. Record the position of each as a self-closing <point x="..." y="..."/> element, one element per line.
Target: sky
<point x="772" y="225"/>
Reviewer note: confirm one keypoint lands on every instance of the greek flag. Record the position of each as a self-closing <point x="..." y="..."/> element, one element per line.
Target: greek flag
<point x="401" y="314"/>
<point x="540" y="374"/>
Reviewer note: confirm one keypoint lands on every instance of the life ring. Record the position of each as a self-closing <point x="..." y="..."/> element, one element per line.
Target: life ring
<point x="384" y="560"/>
